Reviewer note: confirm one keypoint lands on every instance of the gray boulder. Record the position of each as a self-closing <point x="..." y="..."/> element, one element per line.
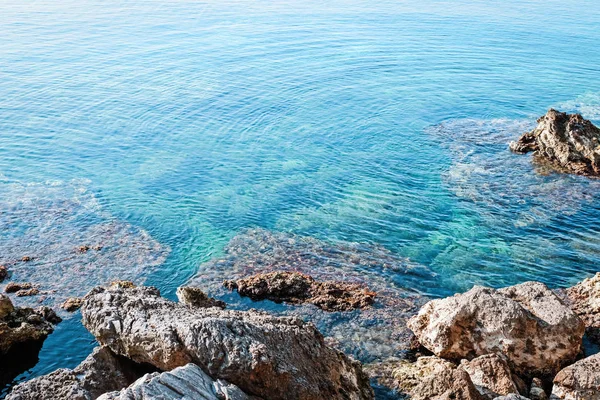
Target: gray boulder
<point x="271" y="357"/>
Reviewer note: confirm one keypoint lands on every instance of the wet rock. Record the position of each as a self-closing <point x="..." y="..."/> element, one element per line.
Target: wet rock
<point x="378" y="332"/>
<point x="101" y="372"/>
<point x="526" y="323"/>
<point x="432" y="378"/>
<point x="536" y="392"/>
<point x="580" y="381"/>
<point x="568" y="141"/>
<point x="23" y="325"/>
<point x="14" y="287"/>
<point x="491" y="375"/>
<point x="296" y="288"/>
<point x="584" y="299"/>
<point x="276" y="358"/>
<point x="188" y="382"/>
<point x="83" y="249"/>
<point x="43" y="224"/>
<point x="3" y="273"/>
<point x="195" y="297"/>
<point x="72" y="304"/>
<point x="27" y="292"/>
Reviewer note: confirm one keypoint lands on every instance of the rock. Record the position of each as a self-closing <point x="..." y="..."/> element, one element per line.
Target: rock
<point x="432" y="378"/>
<point x="276" y="358"/>
<point x="491" y="375"/>
<point x="101" y="372"/>
<point x="23" y="325"/>
<point x="26" y="258"/>
<point x="536" y="392"/>
<point x="580" y="381"/>
<point x="83" y="249"/>
<point x="122" y="284"/>
<point x="296" y="288"/>
<point x="527" y="323"/>
<point x="6" y="306"/>
<point x="195" y="297"/>
<point x="72" y="304"/>
<point x="567" y="141"/>
<point x="3" y="273"/>
<point x="14" y="287"/>
<point x="188" y="382"/>
<point x="584" y="299"/>
<point x="512" y="396"/>
<point x="27" y="292"/>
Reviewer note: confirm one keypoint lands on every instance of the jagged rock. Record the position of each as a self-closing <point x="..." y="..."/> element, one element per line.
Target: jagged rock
<point x="512" y="396"/>
<point x="296" y="288"/>
<point x="491" y="375"/>
<point x="526" y="323"/>
<point x="188" y="382"/>
<point x="21" y="325"/>
<point x="580" y="381"/>
<point x="584" y="299"/>
<point x="101" y="372"/>
<point x="432" y="378"/>
<point x="536" y="392"/>
<point x="195" y="297"/>
<point x="568" y="141"/>
<point x="72" y="304"/>
<point x="276" y="358"/>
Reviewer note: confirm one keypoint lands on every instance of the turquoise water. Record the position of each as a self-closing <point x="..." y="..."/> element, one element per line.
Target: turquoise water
<point x="169" y="127"/>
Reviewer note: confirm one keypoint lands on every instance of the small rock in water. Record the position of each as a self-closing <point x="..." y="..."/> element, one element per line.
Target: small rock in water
<point x="296" y="288"/>
<point x="195" y="297"/>
<point x="14" y="287"/>
<point x="3" y="273"/>
<point x="26" y="259"/>
<point x="27" y="292"/>
<point x="83" y="249"/>
<point x="567" y="141"/>
<point x="72" y="304"/>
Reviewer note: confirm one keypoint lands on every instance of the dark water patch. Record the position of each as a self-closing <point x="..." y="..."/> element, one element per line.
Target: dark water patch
<point x="374" y="333"/>
<point x="58" y="237"/>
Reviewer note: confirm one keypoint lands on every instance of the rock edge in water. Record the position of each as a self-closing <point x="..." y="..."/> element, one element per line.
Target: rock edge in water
<point x="297" y="288"/>
<point x="568" y="141"/>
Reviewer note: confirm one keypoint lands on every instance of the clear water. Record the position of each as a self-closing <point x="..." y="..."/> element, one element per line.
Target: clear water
<point x="383" y="123"/>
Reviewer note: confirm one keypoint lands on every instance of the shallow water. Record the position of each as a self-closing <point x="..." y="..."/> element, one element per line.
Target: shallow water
<point x="182" y="124"/>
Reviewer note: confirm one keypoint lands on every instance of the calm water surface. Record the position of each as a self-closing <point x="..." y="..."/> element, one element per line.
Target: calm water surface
<point x="165" y="128"/>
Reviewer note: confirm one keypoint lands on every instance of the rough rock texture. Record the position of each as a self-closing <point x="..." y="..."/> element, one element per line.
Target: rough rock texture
<point x="536" y="392"/>
<point x="101" y="372"/>
<point x="526" y="323"/>
<point x="584" y="299"/>
<point x="432" y="378"/>
<point x="491" y="375"/>
<point x="568" y="141"/>
<point x="295" y="288"/>
<point x="195" y="297"/>
<point x="14" y="287"/>
<point x="3" y="272"/>
<point x="72" y="304"/>
<point x="276" y="358"/>
<point x="185" y="383"/>
<point x="21" y="325"/>
<point x="580" y="381"/>
<point x="512" y="396"/>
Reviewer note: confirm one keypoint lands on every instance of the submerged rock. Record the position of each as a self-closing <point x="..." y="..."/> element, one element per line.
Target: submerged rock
<point x="23" y="325"/>
<point x="378" y="332"/>
<point x="42" y="227"/>
<point x="567" y="141"/>
<point x="276" y="358"/>
<point x="526" y="323"/>
<point x="584" y="299"/>
<point x="101" y="372"/>
<point x="195" y="297"/>
<point x="296" y="288"/>
<point x="580" y="381"/>
<point x="188" y="382"/>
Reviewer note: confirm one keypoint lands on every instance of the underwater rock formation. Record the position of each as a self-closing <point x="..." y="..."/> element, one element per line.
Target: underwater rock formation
<point x="271" y="357"/>
<point x="526" y="323"/>
<point x="567" y="141"/>
<point x="188" y="382"/>
<point x="297" y="288"/>
<point x="378" y="332"/>
<point x="45" y="227"/>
